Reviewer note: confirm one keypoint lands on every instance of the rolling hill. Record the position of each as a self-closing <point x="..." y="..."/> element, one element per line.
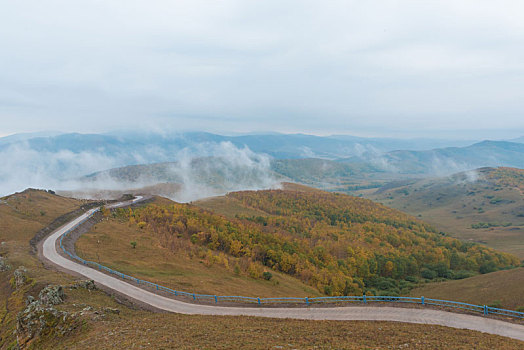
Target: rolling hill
<point x="445" y="161"/>
<point x="485" y="205"/>
<point x="95" y="319"/>
<point x="223" y="174"/>
<point x="502" y="289"/>
<point x="335" y="243"/>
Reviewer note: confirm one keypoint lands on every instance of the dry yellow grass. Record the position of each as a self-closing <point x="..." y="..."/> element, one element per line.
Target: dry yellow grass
<point x="453" y="206"/>
<point x="109" y="243"/>
<point x="134" y="328"/>
<point x="22" y="215"/>
<point x="504" y="286"/>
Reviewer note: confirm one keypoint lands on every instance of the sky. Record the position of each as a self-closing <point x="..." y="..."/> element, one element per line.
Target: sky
<point x="370" y="68"/>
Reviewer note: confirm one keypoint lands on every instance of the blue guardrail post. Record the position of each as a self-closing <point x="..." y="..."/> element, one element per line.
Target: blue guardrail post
<point x="194" y="298"/>
<point x="307" y="301"/>
<point x="216" y="299"/>
<point x="258" y="301"/>
<point x="422" y="300"/>
<point x="364" y="298"/>
<point x="485" y="310"/>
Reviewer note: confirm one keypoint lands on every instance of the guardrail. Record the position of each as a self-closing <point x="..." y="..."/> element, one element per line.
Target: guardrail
<point x="483" y="309"/>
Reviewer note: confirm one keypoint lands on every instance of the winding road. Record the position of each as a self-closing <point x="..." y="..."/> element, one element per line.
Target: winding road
<point x="422" y="316"/>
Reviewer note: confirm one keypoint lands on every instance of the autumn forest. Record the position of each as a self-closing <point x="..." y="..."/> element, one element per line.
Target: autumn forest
<point x="339" y="244"/>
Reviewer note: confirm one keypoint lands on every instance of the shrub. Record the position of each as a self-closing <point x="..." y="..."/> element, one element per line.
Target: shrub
<point x="133" y="244"/>
<point x="458" y="275"/>
<point x="194" y="238"/>
<point x="412" y="279"/>
<point x="267" y="275"/>
<point x="487" y="267"/>
<point x="328" y="290"/>
<point x="428" y="274"/>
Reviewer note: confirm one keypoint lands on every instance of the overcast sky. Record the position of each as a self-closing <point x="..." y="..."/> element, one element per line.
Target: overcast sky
<point x="385" y="68"/>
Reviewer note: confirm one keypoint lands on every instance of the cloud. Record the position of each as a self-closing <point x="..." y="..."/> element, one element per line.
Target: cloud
<point x="201" y="170"/>
<point x="211" y="169"/>
<point x="24" y="167"/>
<point x="240" y="65"/>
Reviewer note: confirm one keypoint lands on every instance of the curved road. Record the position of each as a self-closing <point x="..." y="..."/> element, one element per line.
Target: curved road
<point x="423" y="316"/>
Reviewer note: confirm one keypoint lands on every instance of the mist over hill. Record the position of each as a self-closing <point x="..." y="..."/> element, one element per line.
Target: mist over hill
<point x="212" y="164"/>
<point x="445" y="161"/>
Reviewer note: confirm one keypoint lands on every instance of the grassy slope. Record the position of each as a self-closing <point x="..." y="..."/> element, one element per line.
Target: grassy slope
<point x="109" y="243"/>
<point x="454" y="204"/>
<point x="171" y="331"/>
<point x="21" y="216"/>
<point x="135" y="328"/>
<point x="229" y="206"/>
<point x="504" y="286"/>
<point x="24" y="214"/>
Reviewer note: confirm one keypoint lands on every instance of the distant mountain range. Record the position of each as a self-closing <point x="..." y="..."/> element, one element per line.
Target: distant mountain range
<point x="448" y="160"/>
<point x="150" y="148"/>
<point x="331" y="162"/>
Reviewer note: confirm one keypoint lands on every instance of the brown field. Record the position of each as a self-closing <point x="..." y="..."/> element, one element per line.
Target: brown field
<point x="144" y="330"/>
<point x="503" y="286"/>
<point x="134" y="328"/>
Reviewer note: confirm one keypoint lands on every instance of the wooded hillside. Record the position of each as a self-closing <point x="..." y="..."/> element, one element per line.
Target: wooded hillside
<point x="342" y="245"/>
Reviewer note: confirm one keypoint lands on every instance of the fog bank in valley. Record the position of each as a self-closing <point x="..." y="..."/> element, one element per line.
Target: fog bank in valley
<point x="199" y="171"/>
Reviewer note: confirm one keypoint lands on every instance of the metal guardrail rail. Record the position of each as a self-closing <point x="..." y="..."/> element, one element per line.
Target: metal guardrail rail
<point x="483" y="309"/>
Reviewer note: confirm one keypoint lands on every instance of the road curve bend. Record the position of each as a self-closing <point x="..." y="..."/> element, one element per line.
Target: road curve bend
<point x="420" y="316"/>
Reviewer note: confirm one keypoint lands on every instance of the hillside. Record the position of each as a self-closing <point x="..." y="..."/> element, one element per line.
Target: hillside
<point x="485" y="205"/>
<point x="499" y="289"/>
<point x="177" y="264"/>
<point x="215" y="175"/>
<point x="445" y="161"/>
<point x="96" y="320"/>
<point x="338" y="244"/>
<point x="22" y="215"/>
<point x="211" y="176"/>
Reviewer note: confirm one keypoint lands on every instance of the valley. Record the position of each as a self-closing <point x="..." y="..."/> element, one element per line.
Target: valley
<point x="484" y="205"/>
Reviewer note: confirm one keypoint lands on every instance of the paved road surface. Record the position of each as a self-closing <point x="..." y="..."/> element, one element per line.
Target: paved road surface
<point x="423" y="316"/>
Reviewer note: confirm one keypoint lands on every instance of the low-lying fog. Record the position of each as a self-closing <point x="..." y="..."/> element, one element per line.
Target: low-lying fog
<point x="199" y="171"/>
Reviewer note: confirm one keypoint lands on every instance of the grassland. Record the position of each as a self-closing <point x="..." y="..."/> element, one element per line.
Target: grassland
<point x="144" y="330"/>
<point x="502" y="288"/>
<point x="22" y="215"/>
<point x="134" y="328"/>
<point x="109" y="243"/>
<point x="458" y="203"/>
